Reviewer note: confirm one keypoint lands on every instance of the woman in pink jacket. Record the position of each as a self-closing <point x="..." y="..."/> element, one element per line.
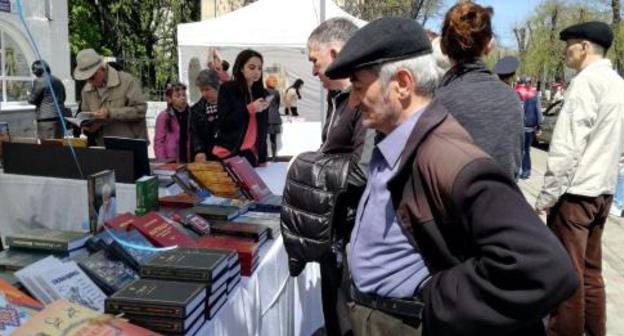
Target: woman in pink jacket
<point x="172" y="138"/>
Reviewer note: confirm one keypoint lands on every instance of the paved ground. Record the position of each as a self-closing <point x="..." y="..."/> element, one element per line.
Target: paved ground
<point x="613" y="249"/>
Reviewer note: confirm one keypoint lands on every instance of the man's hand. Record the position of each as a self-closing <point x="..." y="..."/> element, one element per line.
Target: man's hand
<point x="101" y="113"/>
<point x="90" y="127"/>
<point x="200" y="157"/>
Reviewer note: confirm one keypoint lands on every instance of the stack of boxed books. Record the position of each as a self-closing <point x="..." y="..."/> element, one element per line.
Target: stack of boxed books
<point x="171" y="307"/>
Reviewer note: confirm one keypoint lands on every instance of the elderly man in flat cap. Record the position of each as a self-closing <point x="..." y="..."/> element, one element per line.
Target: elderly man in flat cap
<point x="582" y="171"/>
<point x="114" y="96"/>
<point x="444" y="242"/>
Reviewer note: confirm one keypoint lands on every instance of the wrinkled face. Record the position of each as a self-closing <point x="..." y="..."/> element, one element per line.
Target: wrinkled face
<point x="252" y="70"/>
<point x="209" y="93"/>
<point x="321" y="58"/>
<point x="99" y="78"/>
<point x="380" y="110"/>
<point x="574" y="53"/>
<point x="178" y="99"/>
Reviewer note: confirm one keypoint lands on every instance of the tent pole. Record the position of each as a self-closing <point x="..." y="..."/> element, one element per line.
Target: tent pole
<point x="323" y="94"/>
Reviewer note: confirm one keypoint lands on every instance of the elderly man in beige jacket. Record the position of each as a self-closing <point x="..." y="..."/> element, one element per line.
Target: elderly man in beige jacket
<point x="582" y="170"/>
<point x="114" y="97"/>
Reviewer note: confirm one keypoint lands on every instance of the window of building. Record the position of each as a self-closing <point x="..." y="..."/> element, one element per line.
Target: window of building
<point x="15" y="78"/>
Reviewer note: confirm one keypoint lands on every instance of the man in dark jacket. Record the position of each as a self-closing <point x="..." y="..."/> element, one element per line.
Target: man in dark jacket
<point x="444" y="242"/>
<point x="204" y="115"/>
<point x="532" y="121"/>
<point x="343" y="135"/>
<point x="47" y="116"/>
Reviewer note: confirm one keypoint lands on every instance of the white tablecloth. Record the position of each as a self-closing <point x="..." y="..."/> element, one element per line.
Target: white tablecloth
<point x="270" y="302"/>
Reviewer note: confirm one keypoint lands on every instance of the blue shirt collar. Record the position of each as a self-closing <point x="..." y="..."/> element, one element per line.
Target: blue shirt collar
<point x="393" y="144"/>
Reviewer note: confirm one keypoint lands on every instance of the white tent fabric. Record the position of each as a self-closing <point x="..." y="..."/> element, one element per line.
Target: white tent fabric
<point x="278" y="29"/>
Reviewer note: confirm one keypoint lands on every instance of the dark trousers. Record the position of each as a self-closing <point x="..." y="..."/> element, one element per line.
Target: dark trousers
<point x="291" y="110"/>
<point x="526" y="154"/>
<point x="273" y="142"/>
<point x="578" y="222"/>
<point x="334" y="293"/>
<point x="372" y="322"/>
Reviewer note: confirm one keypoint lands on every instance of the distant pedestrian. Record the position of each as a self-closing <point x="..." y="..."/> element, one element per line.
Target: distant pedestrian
<point x="532" y="121"/>
<point x="292" y="95"/>
<point x="581" y="174"/>
<point x="275" y="120"/>
<point x="46" y="113"/>
<point x="505" y="69"/>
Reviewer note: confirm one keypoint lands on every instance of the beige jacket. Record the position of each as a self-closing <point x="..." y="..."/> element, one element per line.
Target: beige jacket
<point x="125" y="102"/>
<point x="588" y="138"/>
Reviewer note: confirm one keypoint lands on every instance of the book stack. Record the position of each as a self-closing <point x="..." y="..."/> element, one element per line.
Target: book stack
<point x="121" y="222"/>
<point x="246" y="248"/>
<point x="16" y="308"/>
<point x="253" y="186"/>
<point x="132" y="248"/>
<point x="164" y="172"/>
<point x="146" y="195"/>
<point x="209" y="267"/>
<point x="50" y="279"/>
<point x="174" y="308"/>
<point x="70" y="319"/>
<point x="256" y="232"/>
<point x="213" y="177"/>
<point x="109" y="274"/>
<point x="268" y="219"/>
<point x="234" y="272"/>
<point x="47" y="240"/>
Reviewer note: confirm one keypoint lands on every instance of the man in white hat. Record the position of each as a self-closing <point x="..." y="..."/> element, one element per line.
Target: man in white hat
<point x="115" y="97"/>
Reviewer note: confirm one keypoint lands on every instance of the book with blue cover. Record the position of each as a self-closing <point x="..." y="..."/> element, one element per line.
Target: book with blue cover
<point x="109" y="274"/>
<point x="124" y="249"/>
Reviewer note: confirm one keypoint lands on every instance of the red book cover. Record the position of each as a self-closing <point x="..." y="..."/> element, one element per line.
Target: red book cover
<point x="121" y="222"/>
<point x="160" y="232"/>
<point x="180" y="201"/>
<point x="17" y="297"/>
<point x="246" y="249"/>
<point x="250" y="180"/>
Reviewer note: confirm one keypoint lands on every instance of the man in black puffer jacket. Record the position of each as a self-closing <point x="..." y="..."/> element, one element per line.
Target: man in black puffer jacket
<point x="323" y="188"/>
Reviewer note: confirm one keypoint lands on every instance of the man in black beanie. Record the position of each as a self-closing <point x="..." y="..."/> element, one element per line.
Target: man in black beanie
<point x="444" y="243"/>
<point x="582" y="172"/>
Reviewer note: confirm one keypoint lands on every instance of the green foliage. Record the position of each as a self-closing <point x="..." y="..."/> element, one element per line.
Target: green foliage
<point x="421" y="10"/>
<point x="140" y="34"/>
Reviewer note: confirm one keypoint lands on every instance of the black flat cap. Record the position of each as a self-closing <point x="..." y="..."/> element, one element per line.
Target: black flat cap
<point x="594" y="31"/>
<point x="384" y="40"/>
<point x="506" y="65"/>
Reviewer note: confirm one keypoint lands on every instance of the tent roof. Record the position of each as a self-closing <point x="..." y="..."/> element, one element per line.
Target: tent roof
<point x="272" y="23"/>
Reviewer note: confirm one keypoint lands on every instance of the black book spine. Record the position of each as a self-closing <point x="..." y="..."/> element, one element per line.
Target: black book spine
<point x="115" y="250"/>
<point x="250" y="235"/>
<point x="167" y="273"/>
<point x="156" y="324"/>
<point x="117" y="307"/>
<point x="36" y="244"/>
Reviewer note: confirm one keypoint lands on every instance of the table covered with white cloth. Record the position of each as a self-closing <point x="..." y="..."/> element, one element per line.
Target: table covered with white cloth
<point x="270" y="302"/>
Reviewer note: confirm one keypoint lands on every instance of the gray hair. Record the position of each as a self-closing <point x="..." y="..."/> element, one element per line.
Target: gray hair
<point x="423" y="68"/>
<point x="598" y="49"/>
<point x="336" y="30"/>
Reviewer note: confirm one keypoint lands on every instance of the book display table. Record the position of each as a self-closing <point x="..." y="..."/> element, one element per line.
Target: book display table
<point x="270" y="302"/>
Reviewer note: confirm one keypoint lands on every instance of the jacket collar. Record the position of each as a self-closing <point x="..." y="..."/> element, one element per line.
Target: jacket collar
<point x="462" y="69"/>
<point x="433" y="115"/>
<point x="112" y="79"/>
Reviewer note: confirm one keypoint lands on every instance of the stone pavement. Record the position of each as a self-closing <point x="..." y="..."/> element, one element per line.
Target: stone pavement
<point x="613" y="248"/>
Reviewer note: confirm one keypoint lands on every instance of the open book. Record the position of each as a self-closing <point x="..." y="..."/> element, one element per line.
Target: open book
<point x="84" y="119"/>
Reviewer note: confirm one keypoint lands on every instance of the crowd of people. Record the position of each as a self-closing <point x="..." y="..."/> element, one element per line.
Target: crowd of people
<point x="430" y="233"/>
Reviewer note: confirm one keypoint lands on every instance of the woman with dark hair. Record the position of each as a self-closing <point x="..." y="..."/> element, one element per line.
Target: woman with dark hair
<point x="172" y="133"/>
<point x="292" y="94"/>
<point x="486" y="107"/>
<point x="241" y="122"/>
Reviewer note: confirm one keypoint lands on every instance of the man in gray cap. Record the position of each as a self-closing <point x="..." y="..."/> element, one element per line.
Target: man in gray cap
<point x="505" y="68"/>
<point x="582" y="172"/>
<point x="115" y="98"/>
<point x="444" y="242"/>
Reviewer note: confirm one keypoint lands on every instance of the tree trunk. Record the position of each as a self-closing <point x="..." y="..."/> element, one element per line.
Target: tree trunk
<point x="615" y="7"/>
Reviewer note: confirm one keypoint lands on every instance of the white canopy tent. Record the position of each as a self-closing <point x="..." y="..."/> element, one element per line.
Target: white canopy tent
<point x="278" y="29"/>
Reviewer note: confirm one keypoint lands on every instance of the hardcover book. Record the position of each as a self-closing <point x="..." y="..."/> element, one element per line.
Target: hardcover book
<point x="63" y="318"/>
<point x="180" y="200"/>
<point x="246" y="249"/>
<point x="183" y="179"/>
<point x="47" y="240"/>
<point x="256" y="232"/>
<point x="121" y="222"/>
<point x="146" y="194"/>
<point x="186" y="264"/>
<point x="157" y="298"/>
<point x="160" y="232"/>
<point x="251" y="182"/>
<point x="214" y="309"/>
<point x="16" y="297"/>
<point x="102" y="199"/>
<point x="16" y="259"/>
<point x="133" y="249"/>
<point x="196" y="223"/>
<point x="169" y="325"/>
<point x="215" y="212"/>
<point x="268" y="219"/>
<point x="110" y="275"/>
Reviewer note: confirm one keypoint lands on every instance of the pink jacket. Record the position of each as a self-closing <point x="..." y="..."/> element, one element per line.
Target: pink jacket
<point x="166" y="143"/>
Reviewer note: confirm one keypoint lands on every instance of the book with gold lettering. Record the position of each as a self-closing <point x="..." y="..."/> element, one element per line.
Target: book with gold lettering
<point x="160" y="232"/>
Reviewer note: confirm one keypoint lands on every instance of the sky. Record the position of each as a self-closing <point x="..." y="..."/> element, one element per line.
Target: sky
<point x="506" y="14"/>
